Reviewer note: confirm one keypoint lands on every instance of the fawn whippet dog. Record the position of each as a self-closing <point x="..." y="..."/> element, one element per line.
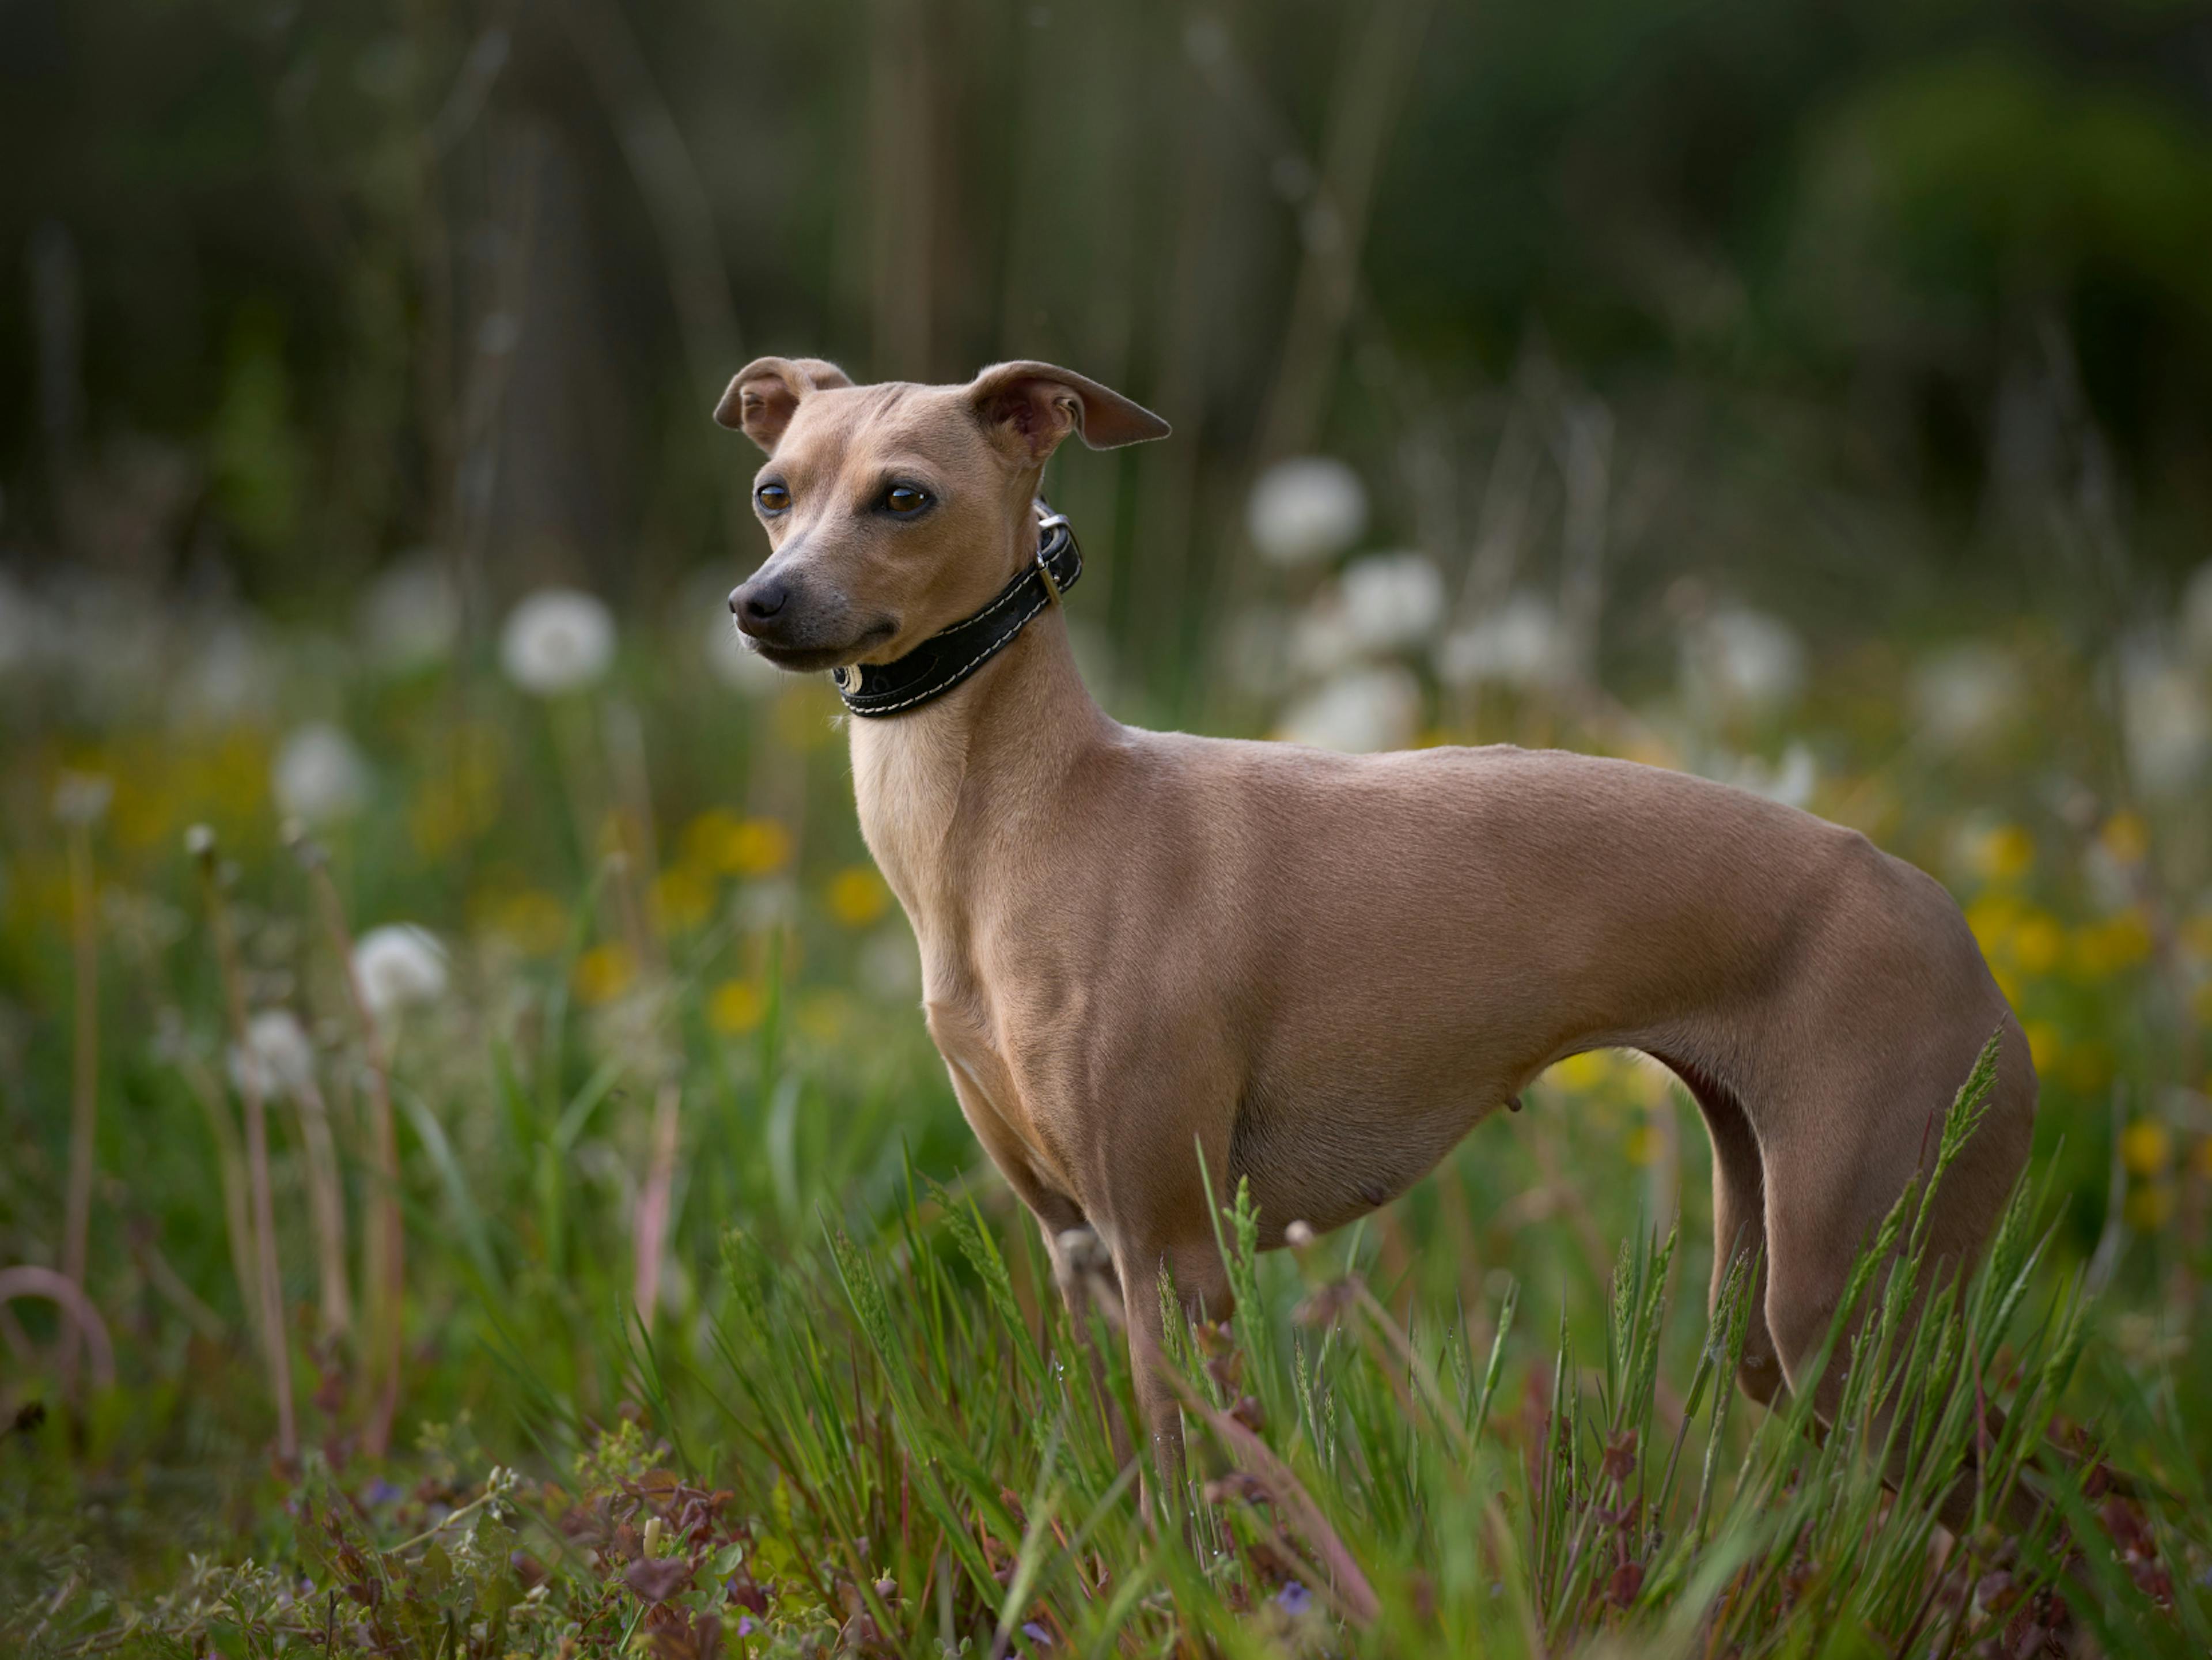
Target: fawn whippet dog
<point x="1322" y="969"/>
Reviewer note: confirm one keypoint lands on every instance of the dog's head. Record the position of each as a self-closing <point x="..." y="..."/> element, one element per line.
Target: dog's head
<point x="893" y="511"/>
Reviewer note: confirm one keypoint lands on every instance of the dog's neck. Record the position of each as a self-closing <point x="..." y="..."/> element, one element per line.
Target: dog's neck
<point x="965" y="783"/>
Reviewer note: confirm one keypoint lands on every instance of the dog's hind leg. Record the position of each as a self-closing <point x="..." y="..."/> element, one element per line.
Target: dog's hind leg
<point x="1738" y="1221"/>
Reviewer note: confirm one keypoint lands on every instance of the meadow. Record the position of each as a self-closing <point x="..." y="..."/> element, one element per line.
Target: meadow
<point x="478" y="1182"/>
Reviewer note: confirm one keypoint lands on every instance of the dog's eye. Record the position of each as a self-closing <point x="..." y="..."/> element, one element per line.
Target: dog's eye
<point x="773" y="498"/>
<point x="905" y="500"/>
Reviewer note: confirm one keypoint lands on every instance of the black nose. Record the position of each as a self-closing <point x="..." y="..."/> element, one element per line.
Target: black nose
<point x="757" y="600"/>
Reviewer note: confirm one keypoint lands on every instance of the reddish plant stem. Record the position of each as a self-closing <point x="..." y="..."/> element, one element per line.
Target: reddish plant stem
<point x="276" y="1343"/>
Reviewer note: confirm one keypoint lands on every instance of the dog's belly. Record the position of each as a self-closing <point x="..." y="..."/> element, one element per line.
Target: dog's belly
<point x="1327" y="1166"/>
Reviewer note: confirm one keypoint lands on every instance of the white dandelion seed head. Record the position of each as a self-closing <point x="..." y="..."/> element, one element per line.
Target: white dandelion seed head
<point x="557" y="640"/>
<point x="82" y="798"/>
<point x="1306" y="509"/>
<point x="411" y="614"/>
<point x="1360" y="712"/>
<point x="1789" y="781"/>
<point x="2165" y="724"/>
<point x="1393" y="600"/>
<point x="399" y="966"/>
<point x="281" y="1053"/>
<point x="1966" y="694"/>
<point x="1743" y="660"/>
<point x="1522" y="644"/>
<point x="319" y="775"/>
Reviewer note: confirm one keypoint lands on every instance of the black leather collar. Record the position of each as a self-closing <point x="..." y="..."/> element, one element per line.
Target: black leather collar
<point x="944" y="660"/>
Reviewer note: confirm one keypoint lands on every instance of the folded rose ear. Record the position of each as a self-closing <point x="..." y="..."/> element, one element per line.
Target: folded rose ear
<point x="766" y="392"/>
<point x="1031" y="407"/>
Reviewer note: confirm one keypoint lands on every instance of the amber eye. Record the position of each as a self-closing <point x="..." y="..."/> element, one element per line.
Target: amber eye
<point x="905" y="500"/>
<point x="773" y="498"/>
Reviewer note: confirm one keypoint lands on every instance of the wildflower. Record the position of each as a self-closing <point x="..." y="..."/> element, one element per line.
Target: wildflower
<point x="2149" y="1207"/>
<point x="1743" y="661"/>
<point x="1322" y="640"/>
<point x="534" y="923"/>
<point x="82" y="798"/>
<point x="604" y="973"/>
<point x="319" y="775"/>
<point x="1360" y="711"/>
<point x="2125" y="838"/>
<point x="736" y="1007"/>
<point x="2101" y="950"/>
<point x="1521" y="645"/>
<point x="399" y="965"/>
<point x="1790" y="781"/>
<point x="2037" y="939"/>
<point x="2166" y="728"/>
<point x="681" y="899"/>
<point x="280" y="1053"/>
<point x="1966" y="694"/>
<point x="1997" y="853"/>
<point x="1642" y="1145"/>
<point x="1305" y="510"/>
<point x="1392" y="599"/>
<point x="2044" y="1045"/>
<point x="719" y="839"/>
<point x="411" y="614"/>
<point x="233" y="675"/>
<point x="857" y="896"/>
<point x="1294" y="1599"/>
<point x="2146" y="1146"/>
<point x="1036" y="1633"/>
<point x="556" y="641"/>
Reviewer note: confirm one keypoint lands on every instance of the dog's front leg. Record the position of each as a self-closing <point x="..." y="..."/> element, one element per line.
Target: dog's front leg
<point x="1200" y="1287"/>
<point x="1084" y="1269"/>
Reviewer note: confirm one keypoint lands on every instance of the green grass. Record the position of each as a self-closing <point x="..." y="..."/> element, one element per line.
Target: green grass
<point x="1494" y="1417"/>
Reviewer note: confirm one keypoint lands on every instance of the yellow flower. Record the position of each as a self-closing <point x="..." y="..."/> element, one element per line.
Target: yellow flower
<point x="2150" y="1207"/>
<point x="604" y="973"/>
<point x="823" y="1015"/>
<point x="1993" y="917"/>
<point x="2145" y="1146"/>
<point x="857" y="896"/>
<point x="706" y="839"/>
<point x="736" y="1007"/>
<point x="534" y="922"/>
<point x="2037" y="939"/>
<point x="2101" y="950"/>
<point x="1585" y="1072"/>
<point x="2003" y="853"/>
<point x="1642" y="1145"/>
<point x="2125" y="838"/>
<point x="758" y="847"/>
<point x="681" y="898"/>
<point x="2044" y="1043"/>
